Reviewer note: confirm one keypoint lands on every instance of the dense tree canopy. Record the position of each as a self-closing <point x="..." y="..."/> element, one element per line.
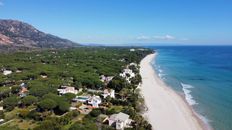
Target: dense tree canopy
<point x="118" y="83"/>
<point x="28" y="100"/>
<point x="4" y="92"/>
<point x="10" y="102"/>
<point x="47" y="70"/>
<point x="47" y="104"/>
<point x="61" y="101"/>
<point x="78" y="67"/>
<point x="95" y="112"/>
<point x="39" y="91"/>
<point x="69" y="96"/>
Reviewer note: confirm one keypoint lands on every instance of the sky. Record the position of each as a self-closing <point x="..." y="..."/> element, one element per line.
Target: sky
<point x="128" y="22"/>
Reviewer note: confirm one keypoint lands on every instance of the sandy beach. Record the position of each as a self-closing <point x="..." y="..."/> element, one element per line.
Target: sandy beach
<point x="166" y="109"/>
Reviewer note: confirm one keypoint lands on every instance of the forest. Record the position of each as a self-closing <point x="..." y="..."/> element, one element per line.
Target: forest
<point x="29" y="82"/>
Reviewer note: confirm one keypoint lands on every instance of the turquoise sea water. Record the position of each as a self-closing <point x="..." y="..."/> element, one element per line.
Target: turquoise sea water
<point x="203" y="74"/>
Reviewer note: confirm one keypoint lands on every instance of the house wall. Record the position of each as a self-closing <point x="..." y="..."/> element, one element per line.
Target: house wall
<point x="120" y="125"/>
<point x="111" y="122"/>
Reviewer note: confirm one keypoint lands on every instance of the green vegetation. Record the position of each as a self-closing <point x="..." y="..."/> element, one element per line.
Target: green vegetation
<point x="10" y="102"/>
<point x="29" y="100"/>
<point x="47" y="104"/>
<point x="45" y="71"/>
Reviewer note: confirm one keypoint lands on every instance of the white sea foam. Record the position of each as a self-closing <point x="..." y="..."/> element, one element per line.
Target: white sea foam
<point x="187" y="91"/>
<point x="189" y="98"/>
<point x="161" y="75"/>
<point x="160" y="70"/>
<point x="204" y="119"/>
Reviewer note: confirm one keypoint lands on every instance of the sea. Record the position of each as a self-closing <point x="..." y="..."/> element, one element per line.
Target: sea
<point x="203" y="76"/>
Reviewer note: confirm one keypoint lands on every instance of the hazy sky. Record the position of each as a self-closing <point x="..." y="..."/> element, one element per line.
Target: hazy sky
<point x="127" y="21"/>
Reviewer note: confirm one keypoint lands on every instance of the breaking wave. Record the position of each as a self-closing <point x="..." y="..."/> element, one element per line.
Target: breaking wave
<point x="187" y="92"/>
<point x="189" y="98"/>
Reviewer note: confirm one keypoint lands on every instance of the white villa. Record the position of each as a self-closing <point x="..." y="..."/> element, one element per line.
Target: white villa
<point x="120" y="120"/>
<point x="108" y="92"/>
<point x="23" y="85"/>
<point x="1" y="120"/>
<point x="72" y="108"/>
<point x="94" y="101"/>
<point x="23" y="90"/>
<point x="127" y="72"/>
<point x="106" y="79"/>
<point x="133" y="64"/>
<point x="7" y="72"/>
<point x="141" y="49"/>
<point x="18" y="71"/>
<point x="43" y="76"/>
<point x="67" y="89"/>
<point x="1" y="108"/>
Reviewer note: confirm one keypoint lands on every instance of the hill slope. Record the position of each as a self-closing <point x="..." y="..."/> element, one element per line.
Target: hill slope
<point x="17" y="34"/>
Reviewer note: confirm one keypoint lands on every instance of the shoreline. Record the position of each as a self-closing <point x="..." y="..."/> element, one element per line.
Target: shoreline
<point x="166" y="108"/>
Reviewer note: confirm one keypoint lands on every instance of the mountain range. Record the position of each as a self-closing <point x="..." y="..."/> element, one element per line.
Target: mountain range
<point x="16" y="35"/>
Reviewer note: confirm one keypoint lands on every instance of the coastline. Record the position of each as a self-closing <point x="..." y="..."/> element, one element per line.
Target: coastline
<point x="166" y="109"/>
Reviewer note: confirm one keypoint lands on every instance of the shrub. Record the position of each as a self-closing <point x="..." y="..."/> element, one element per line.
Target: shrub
<point x="24" y="113"/>
<point x="48" y="125"/>
<point x="34" y="115"/>
<point x="95" y="112"/>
